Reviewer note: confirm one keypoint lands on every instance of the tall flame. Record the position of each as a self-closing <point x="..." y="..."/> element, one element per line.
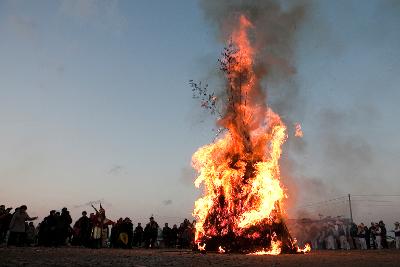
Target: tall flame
<point x="240" y="171"/>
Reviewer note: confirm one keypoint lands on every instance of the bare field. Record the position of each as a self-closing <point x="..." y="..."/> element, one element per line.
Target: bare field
<point x="141" y="257"/>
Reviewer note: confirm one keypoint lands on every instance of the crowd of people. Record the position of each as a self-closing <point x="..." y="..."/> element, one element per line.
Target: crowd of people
<point x="338" y="233"/>
<point x="94" y="231"/>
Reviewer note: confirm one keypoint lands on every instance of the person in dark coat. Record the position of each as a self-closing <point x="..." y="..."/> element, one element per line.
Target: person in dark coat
<point x="367" y="237"/>
<point x="383" y="234"/>
<point x="150" y="233"/>
<point x="5" y="219"/>
<point x="174" y="235"/>
<point x="166" y="234"/>
<point x="354" y="234"/>
<point x="47" y="230"/>
<point x="83" y="230"/>
<point x="126" y="233"/>
<point x="138" y="235"/>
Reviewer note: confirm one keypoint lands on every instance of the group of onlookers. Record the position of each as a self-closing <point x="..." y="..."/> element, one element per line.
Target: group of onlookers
<point x="340" y="233"/>
<point x="152" y="236"/>
<point x="17" y="228"/>
<point x="95" y="230"/>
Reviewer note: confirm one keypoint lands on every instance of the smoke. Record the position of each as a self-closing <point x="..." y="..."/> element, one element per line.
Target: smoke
<point x="167" y="202"/>
<point x="273" y="35"/>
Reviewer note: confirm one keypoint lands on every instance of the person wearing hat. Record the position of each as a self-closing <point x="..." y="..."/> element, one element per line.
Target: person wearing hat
<point x="397" y="234"/>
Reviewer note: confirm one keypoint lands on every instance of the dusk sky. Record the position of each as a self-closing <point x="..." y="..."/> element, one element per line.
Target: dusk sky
<point x="95" y="105"/>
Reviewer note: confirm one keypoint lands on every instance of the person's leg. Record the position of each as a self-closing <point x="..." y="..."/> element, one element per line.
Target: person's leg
<point x="397" y="242"/>
<point x="11" y="239"/>
<point x="378" y="242"/>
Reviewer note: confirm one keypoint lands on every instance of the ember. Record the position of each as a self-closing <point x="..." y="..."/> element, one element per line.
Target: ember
<point x="240" y="210"/>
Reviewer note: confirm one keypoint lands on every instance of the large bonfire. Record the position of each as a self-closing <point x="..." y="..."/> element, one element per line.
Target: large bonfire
<point x="241" y="209"/>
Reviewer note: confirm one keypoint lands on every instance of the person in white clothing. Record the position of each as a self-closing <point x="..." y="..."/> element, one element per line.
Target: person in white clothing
<point x="378" y="236"/>
<point x="361" y="236"/>
<point x="397" y="234"/>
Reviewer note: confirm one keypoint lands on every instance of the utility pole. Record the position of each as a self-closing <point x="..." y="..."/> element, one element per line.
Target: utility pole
<point x="351" y="212"/>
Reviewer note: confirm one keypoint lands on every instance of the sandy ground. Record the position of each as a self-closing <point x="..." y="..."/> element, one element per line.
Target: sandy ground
<point x="141" y="257"/>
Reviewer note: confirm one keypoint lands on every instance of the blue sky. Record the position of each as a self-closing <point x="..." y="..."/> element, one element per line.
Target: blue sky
<point x="95" y="103"/>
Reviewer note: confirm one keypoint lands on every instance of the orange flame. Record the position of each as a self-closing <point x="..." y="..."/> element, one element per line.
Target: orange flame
<point x="221" y="250"/>
<point x="274" y="250"/>
<point x="240" y="171"/>
<point x="306" y="249"/>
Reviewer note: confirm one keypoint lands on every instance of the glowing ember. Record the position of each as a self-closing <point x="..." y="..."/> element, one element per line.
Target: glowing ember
<point x="221" y="250"/>
<point x="201" y="247"/>
<point x="298" y="132"/>
<point x="306" y="249"/>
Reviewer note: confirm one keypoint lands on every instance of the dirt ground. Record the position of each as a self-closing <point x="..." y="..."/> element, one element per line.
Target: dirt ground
<point x="140" y="257"/>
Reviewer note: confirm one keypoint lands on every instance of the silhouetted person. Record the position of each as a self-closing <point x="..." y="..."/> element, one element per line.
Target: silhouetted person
<point x="5" y="219"/>
<point x="47" y="230"/>
<point x="64" y="226"/>
<point x="367" y="237"/>
<point x="126" y="233"/>
<point x="151" y="232"/>
<point x="354" y="234"/>
<point x="174" y="235"/>
<point x="166" y="234"/>
<point x="83" y="226"/>
<point x="138" y="235"/>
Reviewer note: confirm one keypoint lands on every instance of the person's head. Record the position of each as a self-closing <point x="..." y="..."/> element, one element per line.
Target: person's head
<point x="2" y="207"/>
<point x="397" y="224"/>
<point x="84" y="213"/>
<point x="57" y="213"/>
<point x="152" y="219"/>
<point x="175" y="226"/>
<point x="31" y="224"/>
<point x="23" y="208"/>
<point x="139" y="224"/>
<point x="64" y="210"/>
<point x="52" y="212"/>
<point x="166" y="224"/>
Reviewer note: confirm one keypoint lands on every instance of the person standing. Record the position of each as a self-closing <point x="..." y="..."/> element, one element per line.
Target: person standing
<point x="378" y="236"/>
<point x="361" y="236"/>
<point x="65" y="221"/>
<point x="367" y="237"/>
<point x="138" y="235"/>
<point x="353" y="234"/>
<point x="383" y="235"/>
<point x="17" y="226"/>
<point x="84" y="229"/>
<point x="153" y="232"/>
<point x="5" y="219"/>
<point x="174" y="235"/>
<point x="397" y="234"/>
<point x="166" y="234"/>
<point x="372" y="234"/>
<point x="342" y="237"/>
